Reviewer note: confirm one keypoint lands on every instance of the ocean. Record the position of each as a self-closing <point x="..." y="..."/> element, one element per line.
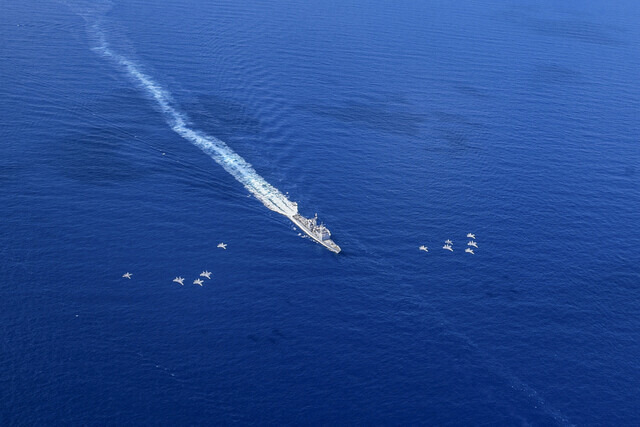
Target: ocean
<point x="138" y="135"/>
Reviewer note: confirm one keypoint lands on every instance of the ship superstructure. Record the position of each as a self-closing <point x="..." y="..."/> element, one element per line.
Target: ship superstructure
<point x="317" y="232"/>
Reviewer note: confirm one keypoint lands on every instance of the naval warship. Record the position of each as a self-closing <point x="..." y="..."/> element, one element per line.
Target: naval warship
<point x="319" y="233"/>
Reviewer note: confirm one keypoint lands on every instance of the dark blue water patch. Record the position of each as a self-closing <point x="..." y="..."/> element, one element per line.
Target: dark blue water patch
<point x="473" y="91"/>
<point x="570" y="23"/>
<point x="381" y="114"/>
<point x="96" y="156"/>
<point x="583" y="31"/>
<point x="222" y="117"/>
<point x="555" y="74"/>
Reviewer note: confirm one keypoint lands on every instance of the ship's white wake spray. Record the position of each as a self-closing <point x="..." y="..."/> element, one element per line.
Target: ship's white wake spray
<point x="270" y="196"/>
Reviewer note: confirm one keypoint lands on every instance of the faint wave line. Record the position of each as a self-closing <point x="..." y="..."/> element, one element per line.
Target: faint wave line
<point x="217" y="149"/>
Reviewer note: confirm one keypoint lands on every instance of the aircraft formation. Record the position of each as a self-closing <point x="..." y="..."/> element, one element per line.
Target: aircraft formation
<point x="448" y="245"/>
<point x="180" y="280"/>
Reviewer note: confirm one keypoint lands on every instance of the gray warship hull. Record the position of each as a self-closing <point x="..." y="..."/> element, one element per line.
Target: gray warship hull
<point x="310" y="229"/>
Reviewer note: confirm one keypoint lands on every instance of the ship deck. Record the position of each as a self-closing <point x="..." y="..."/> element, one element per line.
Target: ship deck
<point x="298" y="219"/>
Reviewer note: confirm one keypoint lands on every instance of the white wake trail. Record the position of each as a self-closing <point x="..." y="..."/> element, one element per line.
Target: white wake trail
<point x="270" y="196"/>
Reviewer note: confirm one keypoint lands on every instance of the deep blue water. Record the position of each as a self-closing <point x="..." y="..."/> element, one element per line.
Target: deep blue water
<point x="400" y="124"/>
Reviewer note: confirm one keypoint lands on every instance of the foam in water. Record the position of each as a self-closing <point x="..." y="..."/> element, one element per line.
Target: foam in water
<point x="270" y="196"/>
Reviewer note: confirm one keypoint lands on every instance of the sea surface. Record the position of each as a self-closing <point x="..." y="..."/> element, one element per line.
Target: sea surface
<point x="137" y="135"/>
